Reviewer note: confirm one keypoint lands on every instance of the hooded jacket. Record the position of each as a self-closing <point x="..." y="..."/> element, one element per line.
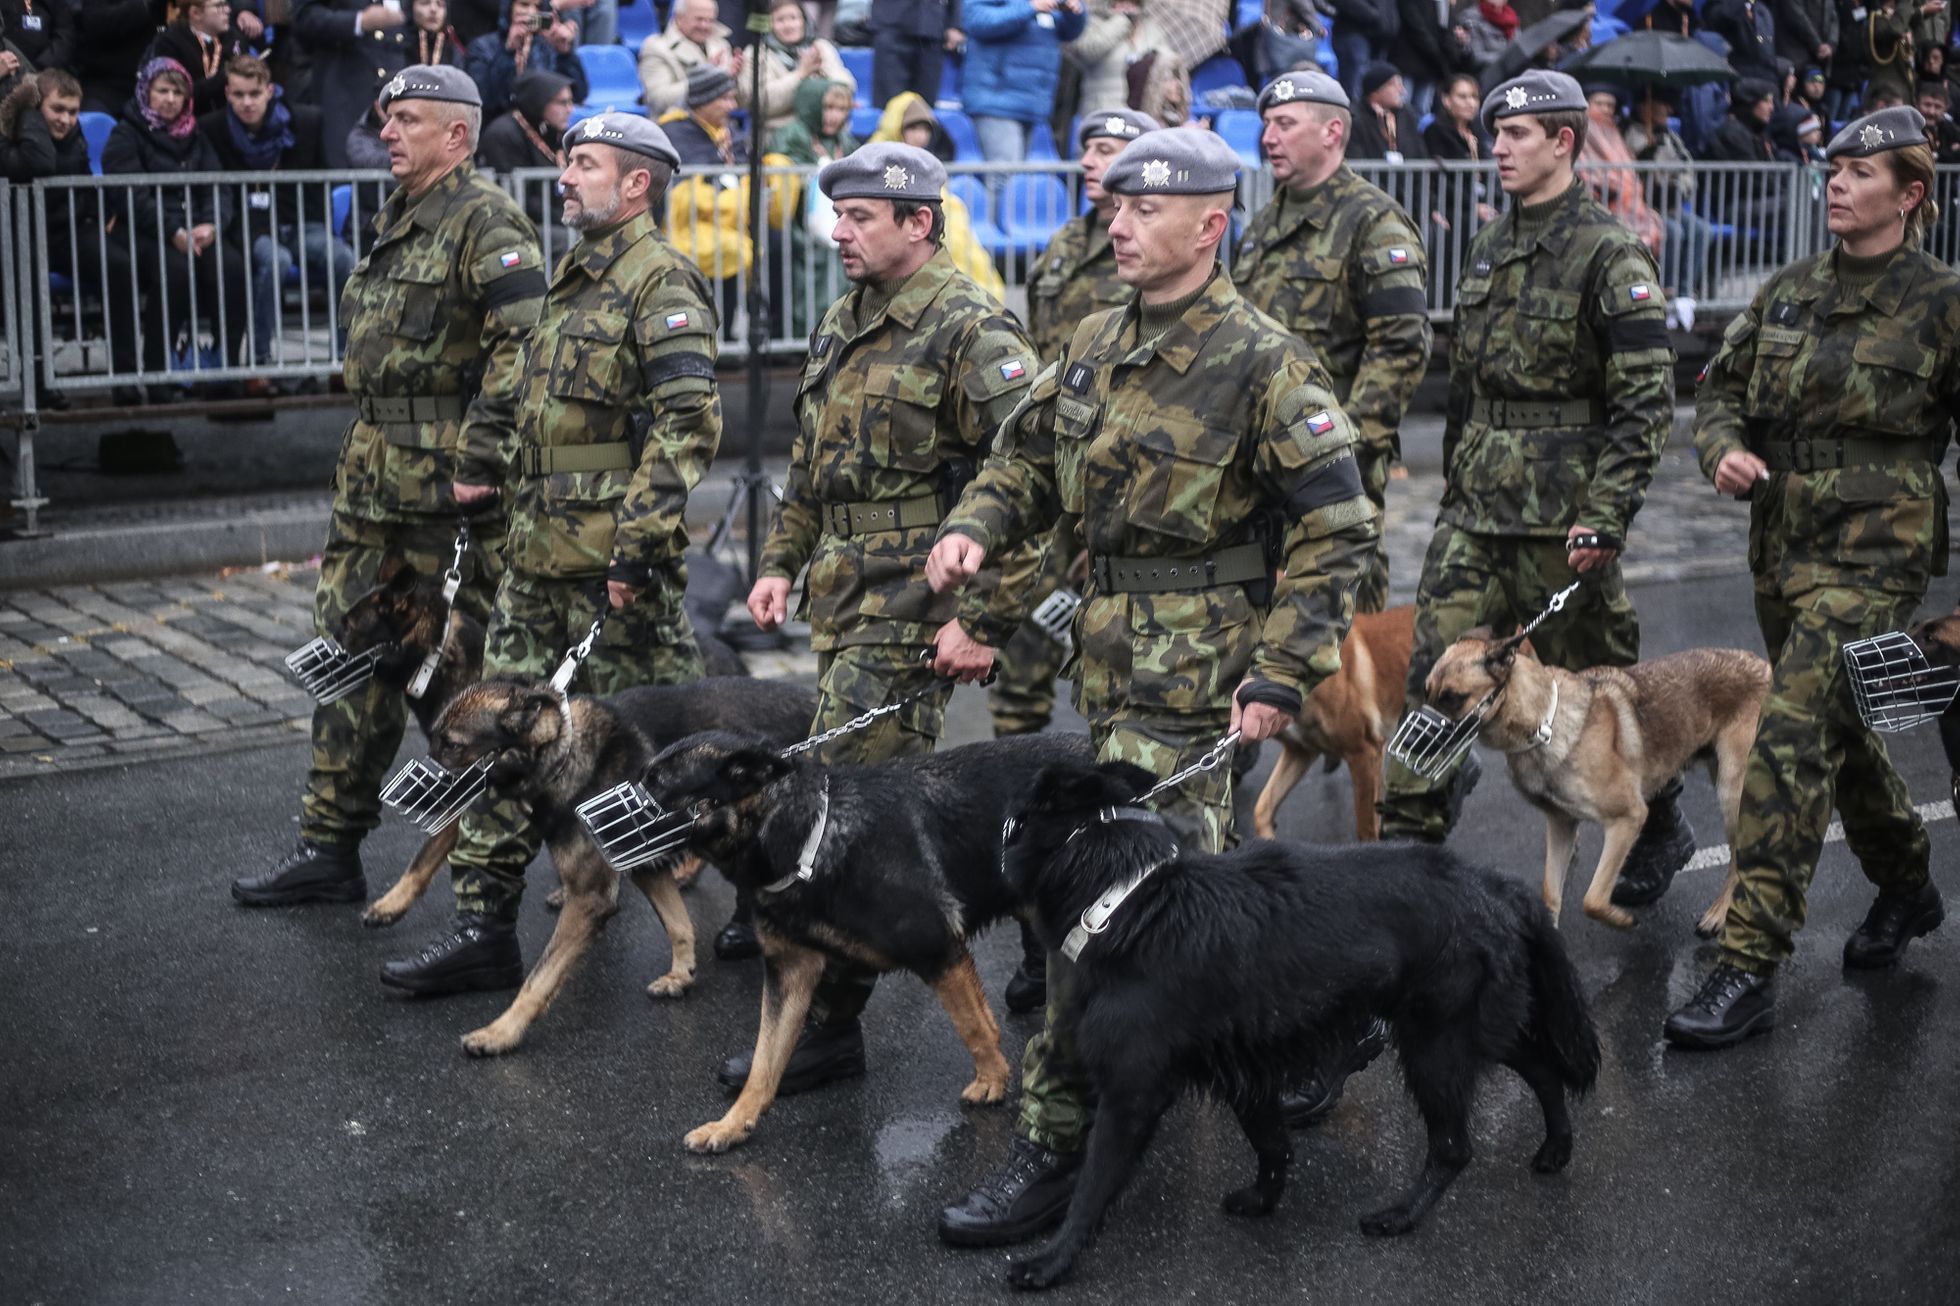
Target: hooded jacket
<point x="506" y="145"/>
<point x="29" y="151"/>
<point x="136" y="147"/>
<point x="801" y="139"/>
<point x="1013" y="60"/>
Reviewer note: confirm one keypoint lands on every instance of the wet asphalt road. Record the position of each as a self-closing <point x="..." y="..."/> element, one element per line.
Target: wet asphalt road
<point x="199" y="1103"/>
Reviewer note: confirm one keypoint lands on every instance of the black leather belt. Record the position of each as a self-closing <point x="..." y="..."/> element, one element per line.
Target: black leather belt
<point x="1829" y="455"/>
<point x="882" y="516"/>
<point x="1238" y="565"/>
<point x="1524" y="414"/>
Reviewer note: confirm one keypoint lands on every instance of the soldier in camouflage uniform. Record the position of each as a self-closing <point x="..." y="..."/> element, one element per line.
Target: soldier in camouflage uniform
<point x="1074" y="279"/>
<point x="1561" y="396"/>
<point x="1340" y="264"/>
<point x="1201" y="448"/>
<point x="617" y="420"/>
<point x="909" y="376"/>
<point x="1829" y="408"/>
<point x="435" y="315"/>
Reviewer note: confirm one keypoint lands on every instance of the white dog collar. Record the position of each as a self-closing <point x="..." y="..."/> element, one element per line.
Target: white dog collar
<point x="1096" y="917"/>
<point x="806" y="861"/>
<point x="1543" y="734"/>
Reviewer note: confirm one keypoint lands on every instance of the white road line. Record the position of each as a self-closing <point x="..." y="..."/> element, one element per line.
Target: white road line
<point x="1717" y="857"/>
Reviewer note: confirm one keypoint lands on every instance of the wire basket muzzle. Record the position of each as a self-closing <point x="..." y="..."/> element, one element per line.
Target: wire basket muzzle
<point x="431" y="795"/>
<point x="329" y="672"/>
<point x="632" y="829"/>
<point x="1430" y="744"/>
<point x="1055" y="615"/>
<point x="1896" y="687"/>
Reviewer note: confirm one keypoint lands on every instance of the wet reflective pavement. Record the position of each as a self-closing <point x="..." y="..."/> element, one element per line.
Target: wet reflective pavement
<point x="205" y="1104"/>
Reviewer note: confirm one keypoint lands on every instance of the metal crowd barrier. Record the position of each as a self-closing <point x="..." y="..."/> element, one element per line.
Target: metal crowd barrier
<point x="101" y="299"/>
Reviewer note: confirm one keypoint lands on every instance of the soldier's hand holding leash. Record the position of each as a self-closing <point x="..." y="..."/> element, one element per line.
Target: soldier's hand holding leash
<point x="1736" y="475"/>
<point x="468" y="496"/>
<point x="1256" y="722"/>
<point x="769" y="602"/>
<point x="952" y="562"/>
<point x="959" y="656"/>
<point x="1587" y="549"/>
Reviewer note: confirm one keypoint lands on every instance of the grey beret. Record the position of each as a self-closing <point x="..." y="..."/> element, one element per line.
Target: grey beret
<point x="1179" y="161"/>
<point x="1888" y="129"/>
<point x="884" y="170"/>
<point x="1116" y="124"/>
<point x="431" y="82"/>
<point x="705" y="82"/>
<point x="1538" y="91"/>
<point x="628" y="131"/>
<point x="1303" y="86"/>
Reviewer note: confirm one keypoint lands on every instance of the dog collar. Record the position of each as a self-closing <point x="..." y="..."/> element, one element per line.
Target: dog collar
<point x="1096" y="917"/>
<point x="1107" y="815"/>
<point x="1543" y="734"/>
<point x="806" y="861"/>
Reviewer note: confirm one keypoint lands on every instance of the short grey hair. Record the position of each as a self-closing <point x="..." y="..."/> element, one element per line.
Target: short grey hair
<point x="470" y="115"/>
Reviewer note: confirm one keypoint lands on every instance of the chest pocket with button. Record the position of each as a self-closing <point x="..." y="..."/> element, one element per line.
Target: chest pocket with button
<point x="1178" y="468"/>
<point x="1777" y="379"/>
<point x="898" y="416"/>
<point x="1076" y="422"/>
<point x="1889" y="388"/>
<point x="1548" y="328"/>
<point x="586" y="361"/>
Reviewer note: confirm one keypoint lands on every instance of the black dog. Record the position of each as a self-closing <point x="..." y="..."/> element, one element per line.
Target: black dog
<point x="891" y="866"/>
<point x="1229" y="974"/>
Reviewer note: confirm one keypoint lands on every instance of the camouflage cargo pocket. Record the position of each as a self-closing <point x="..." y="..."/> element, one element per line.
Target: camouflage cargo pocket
<point x="1773" y="380"/>
<point x="1548" y="329"/>
<point x="420" y="296"/>
<point x="1075" y="432"/>
<point x="1181" y="470"/>
<point x="898" y="414"/>
<point x="564" y="523"/>
<point x="585" y="364"/>
<point x="1308" y="293"/>
<point x="1886" y="390"/>
<point x="1886" y="523"/>
<point x="1190" y="651"/>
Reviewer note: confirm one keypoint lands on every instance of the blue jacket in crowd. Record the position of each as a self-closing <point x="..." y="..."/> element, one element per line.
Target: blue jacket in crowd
<point x="1012" y="61"/>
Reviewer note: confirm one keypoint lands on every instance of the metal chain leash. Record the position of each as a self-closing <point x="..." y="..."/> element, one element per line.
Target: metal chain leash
<point x="1211" y="761"/>
<point x="859" y="722"/>
<point x="453" y="578"/>
<point x="1556" y="605"/>
<point x="452" y="583"/>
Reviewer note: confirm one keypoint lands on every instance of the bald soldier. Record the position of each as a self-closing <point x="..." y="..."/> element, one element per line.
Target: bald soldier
<point x="1339" y="263"/>
<point x="1196" y="484"/>
<point x="435" y="315"/>
<point x="618" y="419"/>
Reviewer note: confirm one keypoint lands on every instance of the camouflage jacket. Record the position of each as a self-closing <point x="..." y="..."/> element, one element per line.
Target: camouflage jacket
<point x="1343" y="268"/>
<point x="1171" y="449"/>
<point x="1076" y="276"/>
<point x="624" y="353"/>
<point x="1559" y="310"/>
<point x="436" y="311"/>
<point x="1816" y="360"/>
<point x="898" y="404"/>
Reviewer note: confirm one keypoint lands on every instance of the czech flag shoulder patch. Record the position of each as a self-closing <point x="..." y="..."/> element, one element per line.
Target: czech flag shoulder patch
<point x="1321" y="422"/>
<point x="1013" y="371"/>
<point x="1398" y="255"/>
<point x="675" y="321"/>
<point x="1640" y="294"/>
<point x="511" y="259"/>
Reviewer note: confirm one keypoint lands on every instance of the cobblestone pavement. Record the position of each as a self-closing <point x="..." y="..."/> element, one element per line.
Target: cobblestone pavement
<point x="97" y="674"/>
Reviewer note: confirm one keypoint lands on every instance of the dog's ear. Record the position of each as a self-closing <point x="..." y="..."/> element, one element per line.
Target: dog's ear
<point x="748" y="769"/>
<point x="1499" y="656"/>
<point x="520" y="718"/>
<point x="1127" y="780"/>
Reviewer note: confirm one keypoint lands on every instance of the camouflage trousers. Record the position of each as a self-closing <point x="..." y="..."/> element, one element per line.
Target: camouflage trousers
<point x="850" y="682"/>
<point x="1502" y="581"/>
<point x="1371" y="587"/>
<point x="355" y="739"/>
<point x="1811" y="752"/>
<point x="537" y="619"/>
<point x="1058" y="1103"/>
<point x="1022" y="697"/>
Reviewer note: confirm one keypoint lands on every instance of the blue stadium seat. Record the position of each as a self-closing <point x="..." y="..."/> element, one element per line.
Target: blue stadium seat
<point x="95" y="130"/>
<point x="1218" y="71"/>
<point x="966" y="142"/>
<point x="864" y="121"/>
<point x="637" y="21"/>
<point x="343" y="208"/>
<point x="614" y="75"/>
<point x="1041" y="144"/>
<point x="1240" y="128"/>
<point x="1605" y="29"/>
<point x="950" y="74"/>
<point x="1033" y="205"/>
<point x="857" y="62"/>
<point x="972" y="192"/>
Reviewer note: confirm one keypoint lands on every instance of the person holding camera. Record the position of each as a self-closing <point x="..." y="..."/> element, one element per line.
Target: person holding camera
<point x="537" y="38"/>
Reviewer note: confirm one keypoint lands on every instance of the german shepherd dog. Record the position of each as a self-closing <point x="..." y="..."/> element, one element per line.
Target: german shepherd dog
<point x="1939" y="637"/>
<point x="1595" y="745"/>
<point x="403" y="616"/>
<point x="903" y="862"/>
<point x="1229" y="974"/>
<point x="554" y="753"/>
<point x="1348" y="718"/>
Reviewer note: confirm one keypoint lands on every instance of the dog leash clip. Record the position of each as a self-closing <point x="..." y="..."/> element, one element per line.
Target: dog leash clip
<point x="452" y="583"/>
<point x="561" y="679"/>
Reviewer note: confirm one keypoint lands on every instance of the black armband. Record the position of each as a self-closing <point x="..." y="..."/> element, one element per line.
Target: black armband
<point x="1332" y="482"/>
<point x="1394" y="301"/>
<point x="1628" y="334"/>
<point x="528" y="283"/>
<point x="672" y="367"/>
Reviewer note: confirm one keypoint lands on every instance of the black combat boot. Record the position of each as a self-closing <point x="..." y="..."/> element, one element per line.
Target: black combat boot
<point x="1730" y="1005"/>
<point x="478" y="954"/>
<point x="1318" y="1094"/>
<point x="1895" y="920"/>
<point x="1665" y="845"/>
<point x="1028" y="990"/>
<point x="311" y="872"/>
<point x="823" y="1053"/>
<point x="1028" y="1194"/>
<point x="737" y="941"/>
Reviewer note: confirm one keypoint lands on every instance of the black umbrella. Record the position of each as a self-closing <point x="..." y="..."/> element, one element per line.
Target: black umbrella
<point x="1652" y="59"/>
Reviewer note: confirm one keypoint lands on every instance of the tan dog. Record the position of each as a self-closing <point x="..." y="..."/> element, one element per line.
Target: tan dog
<point x="1348" y="718"/>
<point x="1595" y="745"/>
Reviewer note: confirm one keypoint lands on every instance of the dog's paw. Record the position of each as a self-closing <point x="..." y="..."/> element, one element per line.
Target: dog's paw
<point x="381" y="914"/>
<point x="719" y="1136"/>
<point x="985" y="1090"/>
<point x="1710" y="926"/>
<point x="555" y="900"/>
<point x="688" y="872"/>
<point x="1552" y="1155"/>
<point x="674" y="984"/>
<point x="490" y="1041"/>
<point x="1607" y="914"/>
<point x="1250" y="1200"/>
<point x="1389" y="1222"/>
<point x="1042" y="1270"/>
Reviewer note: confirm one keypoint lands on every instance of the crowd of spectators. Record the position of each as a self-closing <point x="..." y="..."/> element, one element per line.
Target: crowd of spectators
<point x="271" y="85"/>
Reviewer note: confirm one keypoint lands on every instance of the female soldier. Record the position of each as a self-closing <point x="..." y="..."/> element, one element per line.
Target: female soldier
<point x="1828" y="407"/>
